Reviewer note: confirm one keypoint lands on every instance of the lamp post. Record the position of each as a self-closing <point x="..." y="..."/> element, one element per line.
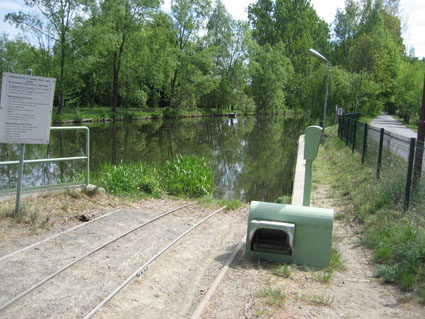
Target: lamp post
<point x="320" y="56"/>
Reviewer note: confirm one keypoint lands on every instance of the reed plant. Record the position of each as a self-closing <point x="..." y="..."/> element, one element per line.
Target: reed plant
<point x="189" y="176"/>
<point x="186" y="176"/>
<point x="129" y="179"/>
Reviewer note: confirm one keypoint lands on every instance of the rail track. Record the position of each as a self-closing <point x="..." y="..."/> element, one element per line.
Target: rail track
<point x="28" y="297"/>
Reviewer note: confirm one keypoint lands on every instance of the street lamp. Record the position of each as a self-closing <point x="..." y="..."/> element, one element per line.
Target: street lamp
<point x="320" y="56"/>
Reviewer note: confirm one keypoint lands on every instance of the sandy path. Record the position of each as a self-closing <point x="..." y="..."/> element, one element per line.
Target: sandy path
<point x="352" y="293"/>
<point x="174" y="285"/>
<point x="78" y="290"/>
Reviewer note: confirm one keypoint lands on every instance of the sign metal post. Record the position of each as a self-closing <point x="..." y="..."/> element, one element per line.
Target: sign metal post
<point x="25" y="114"/>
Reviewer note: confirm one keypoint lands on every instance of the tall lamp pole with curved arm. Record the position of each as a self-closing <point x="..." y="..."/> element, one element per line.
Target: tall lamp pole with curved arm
<point x="321" y="57"/>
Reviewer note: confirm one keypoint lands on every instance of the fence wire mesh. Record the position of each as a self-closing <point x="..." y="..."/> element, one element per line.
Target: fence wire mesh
<point x="398" y="161"/>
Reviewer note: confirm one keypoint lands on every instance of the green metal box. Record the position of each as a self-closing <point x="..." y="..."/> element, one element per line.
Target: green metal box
<point x="290" y="234"/>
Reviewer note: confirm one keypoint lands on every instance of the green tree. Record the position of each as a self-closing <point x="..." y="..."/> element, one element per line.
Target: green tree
<point x="270" y="72"/>
<point x="346" y="27"/>
<point x="295" y="23"/>
<point x="118" y="22"/>
<point x="188" y="16"/>
<point x="57" y="20"/>
<point x="409" y="86"/>
<point x="15" y="55"/>
<point x="228" y="40"/>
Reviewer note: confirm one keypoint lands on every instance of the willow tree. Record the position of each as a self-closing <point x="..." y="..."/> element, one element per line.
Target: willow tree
<point x="117" y="23"/>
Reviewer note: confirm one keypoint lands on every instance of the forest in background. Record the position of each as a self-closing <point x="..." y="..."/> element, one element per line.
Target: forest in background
<point x="131" y="54"/>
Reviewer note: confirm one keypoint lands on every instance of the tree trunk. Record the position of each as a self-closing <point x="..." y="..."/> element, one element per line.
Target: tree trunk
<point x="173" y="85"/>
<point x="116" y="67"/>
<point x="115" y="76"/>
<point x="62" y="77"/>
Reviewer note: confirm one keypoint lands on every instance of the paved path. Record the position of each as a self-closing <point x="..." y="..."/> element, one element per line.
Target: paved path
<point x="390" y="124"/>
<point x="396" y="138"/>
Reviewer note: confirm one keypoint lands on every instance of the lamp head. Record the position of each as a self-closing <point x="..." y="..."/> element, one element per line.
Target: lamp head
<point x="318" y="55"/>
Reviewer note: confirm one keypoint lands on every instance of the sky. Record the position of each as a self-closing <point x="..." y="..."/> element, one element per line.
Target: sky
<point x="413" y="13"/>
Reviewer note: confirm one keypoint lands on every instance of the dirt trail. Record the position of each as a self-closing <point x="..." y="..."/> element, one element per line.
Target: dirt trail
<point x="174" y="285"/>
<point x="352" y="293"/>
<point x="189" y="269"/>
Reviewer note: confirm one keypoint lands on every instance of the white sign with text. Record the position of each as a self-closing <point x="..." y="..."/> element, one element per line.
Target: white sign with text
<point x="26" y="108"/>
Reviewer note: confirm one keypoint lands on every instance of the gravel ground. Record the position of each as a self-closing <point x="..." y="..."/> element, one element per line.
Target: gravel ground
<point x="352" y="293"/>
<point x="175" y="284"/>
<point x="76" y="291"/>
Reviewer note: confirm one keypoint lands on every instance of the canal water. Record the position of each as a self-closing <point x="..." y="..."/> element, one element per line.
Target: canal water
<point x="252" y="158"/>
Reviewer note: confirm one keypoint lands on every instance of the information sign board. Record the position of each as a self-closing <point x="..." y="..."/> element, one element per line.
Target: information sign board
<point x="339" y="110"/>
<point x="26" y="108"/>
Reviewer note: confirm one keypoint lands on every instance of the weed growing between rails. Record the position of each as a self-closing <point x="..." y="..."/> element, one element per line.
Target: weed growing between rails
<point x="396" y="237"/>
<point x="187" y="176"/>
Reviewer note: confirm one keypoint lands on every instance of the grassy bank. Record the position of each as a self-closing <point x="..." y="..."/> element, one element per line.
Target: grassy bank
<point x="184" y="176"/>
<point x="395" y="237"/>
<point x="104" y="114"/>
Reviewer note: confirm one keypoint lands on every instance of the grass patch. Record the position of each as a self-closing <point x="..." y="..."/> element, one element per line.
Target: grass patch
<point x="282" y="270"/>
<point x="319" y="300"/>
<point x="27" y="215"/>
<point x="20" y="216"/>
<point x="335" y="261"/>
<point x="186" y="176"/>
<point x="335" y="264"/>
<point x="189" y="176"/>
<point x="231" y="204"/>
<point x="396" y="237"/>
<point x="272" y="296"/>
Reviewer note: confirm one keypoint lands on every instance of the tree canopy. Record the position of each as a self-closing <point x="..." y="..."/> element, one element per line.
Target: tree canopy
<point x="132" y="54"/>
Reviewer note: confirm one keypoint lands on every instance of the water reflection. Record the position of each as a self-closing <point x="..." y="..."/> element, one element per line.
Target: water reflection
<point x="252" y="158"/>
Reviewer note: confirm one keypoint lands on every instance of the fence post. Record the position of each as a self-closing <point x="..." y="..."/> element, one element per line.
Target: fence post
<point x="348" y="132"/>
<point x="366" y="127"/>
<point x="409" y="172"/>
<point x="354" y="135"/>
<point x="339" y="126"/>
<point x="381" y="143"/>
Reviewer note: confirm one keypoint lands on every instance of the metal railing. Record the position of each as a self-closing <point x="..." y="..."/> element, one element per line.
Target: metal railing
<point x="59" y="159"/>
<point x="394" y="157"/>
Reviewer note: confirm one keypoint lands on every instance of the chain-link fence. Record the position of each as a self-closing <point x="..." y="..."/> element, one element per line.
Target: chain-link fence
<point x="398" y="160"/>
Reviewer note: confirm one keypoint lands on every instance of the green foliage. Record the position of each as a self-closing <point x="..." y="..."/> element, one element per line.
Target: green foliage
<point x="319" y="300"/>
<point x="335" y="261"/>
<point x="231" y="204"/>
<point x="396" y="237"/>
<point x="282" y="270"/>
<point x="295" y="24"/>
<point x="129" y="180"/>
<point x="409" y="86"/>
<point x="186" y="176"/>
<point x="272" y="296"/>
<point x="285" y="199"/>
<point x="270" y="72"/>
<point x="129" y="54"/>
